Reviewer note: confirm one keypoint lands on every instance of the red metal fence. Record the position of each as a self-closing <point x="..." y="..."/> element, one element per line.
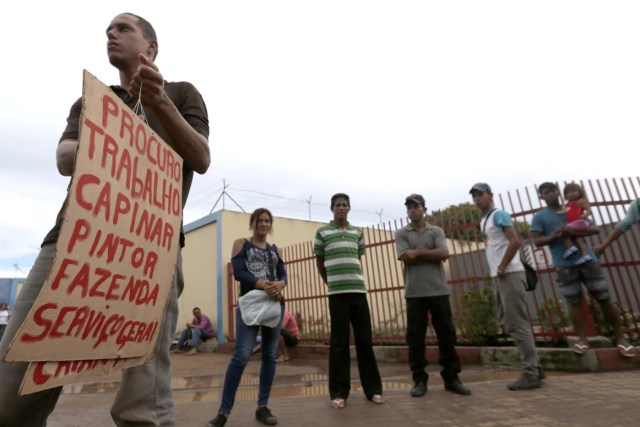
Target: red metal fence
<point x="466" y="271"/>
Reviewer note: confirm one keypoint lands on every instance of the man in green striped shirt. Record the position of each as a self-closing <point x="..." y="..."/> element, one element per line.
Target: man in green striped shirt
<point x="338" y="247"/>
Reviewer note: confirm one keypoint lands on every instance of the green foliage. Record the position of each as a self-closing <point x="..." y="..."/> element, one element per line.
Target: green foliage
<point x="628" y="321"/>
<point x="461" y="221"/>
<point x="553" y="318"/>
<point x="458" y="221"/>
<point x="522" y="228"/>
<point x="477" y="317"/>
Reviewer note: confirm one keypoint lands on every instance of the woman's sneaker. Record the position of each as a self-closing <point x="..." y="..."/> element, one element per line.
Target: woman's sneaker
<point x="264" y="415"/>
<point x="219" y="421"/>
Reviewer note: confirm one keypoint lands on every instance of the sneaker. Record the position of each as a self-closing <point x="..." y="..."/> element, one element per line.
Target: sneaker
<point x="456" y="386"/>
<point x="419" y="389"/>
<point x="264" y="415"/>
<point x="583" y="259"/>
<point x="541" y="374"/>
<point x="218" y="421"/>
<point x="569" y="252"/>
<point x="525" y="382"/>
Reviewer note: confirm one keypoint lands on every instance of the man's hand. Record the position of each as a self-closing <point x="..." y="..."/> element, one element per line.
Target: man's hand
<point x="148" y="83"/>
<point x="409" y="256"/>
<point x="561" y="232"/>
<point x="598" y="250"/>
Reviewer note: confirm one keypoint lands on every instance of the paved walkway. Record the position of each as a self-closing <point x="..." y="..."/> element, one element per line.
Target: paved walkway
<point x="300" y="398"/>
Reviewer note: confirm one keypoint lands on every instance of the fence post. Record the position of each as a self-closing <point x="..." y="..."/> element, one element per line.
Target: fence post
<point x="230" y="310"/>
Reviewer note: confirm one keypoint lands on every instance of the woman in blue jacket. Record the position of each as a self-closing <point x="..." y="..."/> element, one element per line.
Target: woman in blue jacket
<point x="256" y="265"/>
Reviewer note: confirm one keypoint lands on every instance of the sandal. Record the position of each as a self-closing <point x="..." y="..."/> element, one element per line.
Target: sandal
<point x="627" y="350"/>
<point x="579" y="348"/>
<point x="377" y="399"/>
<point x="338" y="403"/>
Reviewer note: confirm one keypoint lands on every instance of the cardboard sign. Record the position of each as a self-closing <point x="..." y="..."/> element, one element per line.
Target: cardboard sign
<point x="115" y="258"/>
<point x="45" y="375"/>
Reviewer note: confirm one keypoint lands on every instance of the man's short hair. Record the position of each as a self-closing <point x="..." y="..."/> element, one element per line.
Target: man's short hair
<point x="147" y="30"/>
<point x="195" y="308"/>
<point x="546" y="186"/>
<point x="340" y="196"/>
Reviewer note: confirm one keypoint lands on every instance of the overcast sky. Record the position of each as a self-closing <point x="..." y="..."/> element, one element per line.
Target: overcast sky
<point x="374" y="98"/>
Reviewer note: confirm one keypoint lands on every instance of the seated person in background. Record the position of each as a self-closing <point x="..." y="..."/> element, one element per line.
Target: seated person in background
<point x="200" y="328"/>
<point x="289" y="335"/>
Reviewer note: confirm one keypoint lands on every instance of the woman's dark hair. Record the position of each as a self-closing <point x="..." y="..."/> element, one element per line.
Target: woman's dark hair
<point x="340" y="196"/>
<point x="574" y="187"/>
<point x="256" y="214"/>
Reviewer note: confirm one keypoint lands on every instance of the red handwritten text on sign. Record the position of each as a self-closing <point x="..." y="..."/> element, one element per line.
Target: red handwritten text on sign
<point x="115" y="257"/>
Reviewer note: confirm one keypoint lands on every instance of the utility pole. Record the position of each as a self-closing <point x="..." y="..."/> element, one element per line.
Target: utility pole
<point x="309" y="203"/>
<point x="222" y="196"/>
<point x="380" y="216"/>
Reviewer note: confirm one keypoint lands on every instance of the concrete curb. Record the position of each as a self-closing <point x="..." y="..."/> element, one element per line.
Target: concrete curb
<point x="552" y="359"/>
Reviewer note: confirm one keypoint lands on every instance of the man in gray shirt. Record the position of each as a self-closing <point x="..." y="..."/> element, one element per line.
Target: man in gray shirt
<point x="422" y="249"/>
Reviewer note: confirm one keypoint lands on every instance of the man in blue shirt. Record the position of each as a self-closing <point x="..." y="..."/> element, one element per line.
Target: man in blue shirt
<point x="549" y="227"/>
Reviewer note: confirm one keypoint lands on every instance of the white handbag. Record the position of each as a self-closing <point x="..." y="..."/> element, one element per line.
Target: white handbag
<point x="258" y="308"/>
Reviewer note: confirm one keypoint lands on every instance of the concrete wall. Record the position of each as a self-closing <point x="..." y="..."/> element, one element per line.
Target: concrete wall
<point x="200" y="263"/>
<point x="9" y="290"/>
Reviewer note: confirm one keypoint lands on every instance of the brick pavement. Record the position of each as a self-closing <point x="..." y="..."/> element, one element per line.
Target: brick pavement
<point x="300" y="398"/>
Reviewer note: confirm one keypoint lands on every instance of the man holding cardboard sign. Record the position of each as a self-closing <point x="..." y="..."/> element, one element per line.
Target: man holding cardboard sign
<point x="130" y="208"/>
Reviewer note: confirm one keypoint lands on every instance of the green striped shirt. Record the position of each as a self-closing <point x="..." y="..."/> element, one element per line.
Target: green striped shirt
<point x="341" y="249"/>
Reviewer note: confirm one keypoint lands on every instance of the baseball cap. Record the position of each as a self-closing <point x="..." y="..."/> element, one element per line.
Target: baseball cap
<point x="482" y="187"/>
<point x="415" y="198"/>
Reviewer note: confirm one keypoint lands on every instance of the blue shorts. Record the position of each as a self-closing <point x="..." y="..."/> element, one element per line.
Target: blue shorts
<point x="590" y="273"/>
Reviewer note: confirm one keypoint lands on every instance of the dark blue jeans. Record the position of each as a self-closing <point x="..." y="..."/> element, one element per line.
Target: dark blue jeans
<point x="245" y="341"/>
<point x="351" y="308"/>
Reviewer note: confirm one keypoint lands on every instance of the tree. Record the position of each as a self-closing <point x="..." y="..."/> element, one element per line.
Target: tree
<point x="459" y="222"/>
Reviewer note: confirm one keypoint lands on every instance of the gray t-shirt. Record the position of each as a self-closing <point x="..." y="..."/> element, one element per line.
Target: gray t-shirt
<point x="422" y="279"/>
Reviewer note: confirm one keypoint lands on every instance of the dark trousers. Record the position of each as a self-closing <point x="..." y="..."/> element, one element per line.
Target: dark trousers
<point x="344" y="309"/>
<point x="418" y="310"/>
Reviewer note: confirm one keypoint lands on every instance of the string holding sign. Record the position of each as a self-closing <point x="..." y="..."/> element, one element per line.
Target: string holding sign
<point x="138" y="107"/>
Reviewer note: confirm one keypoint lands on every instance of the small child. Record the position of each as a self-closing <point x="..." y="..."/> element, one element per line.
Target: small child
<point x="577" y="211"/>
